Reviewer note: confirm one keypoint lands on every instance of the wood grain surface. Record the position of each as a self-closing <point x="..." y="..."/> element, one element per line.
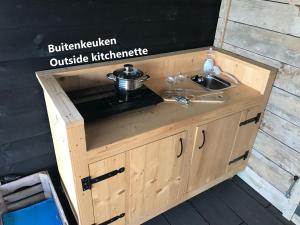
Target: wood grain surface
<point x="156" y="176"/>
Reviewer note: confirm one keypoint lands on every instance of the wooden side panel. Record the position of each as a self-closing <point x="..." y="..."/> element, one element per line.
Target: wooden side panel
<point x="210" y="158"/>
<point x="280" y="100"/>
<point x="288" y="77"/>
<point x="67" y="128"/>
<point x="109" y="195"/>
<point x="156" y="174"/>
<point x="63" y="159"/>
<point x="247" y="73"/>
<point x="62" y="104"/>
<point x="245" y="138"/>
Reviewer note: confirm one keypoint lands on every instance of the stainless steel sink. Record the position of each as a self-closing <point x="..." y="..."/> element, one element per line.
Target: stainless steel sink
<point x="212" y="82"/>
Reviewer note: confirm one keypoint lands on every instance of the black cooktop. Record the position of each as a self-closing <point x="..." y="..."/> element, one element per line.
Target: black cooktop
<point x="103" y="101"/>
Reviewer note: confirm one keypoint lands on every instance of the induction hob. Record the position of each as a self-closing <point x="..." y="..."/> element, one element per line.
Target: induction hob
<point x="103" y="101"/>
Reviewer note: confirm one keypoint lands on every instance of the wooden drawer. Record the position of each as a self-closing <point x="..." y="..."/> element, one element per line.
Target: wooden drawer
<point x="108" y="195"/>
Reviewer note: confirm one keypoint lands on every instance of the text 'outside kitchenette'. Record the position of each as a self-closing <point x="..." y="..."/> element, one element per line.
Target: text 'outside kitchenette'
<point x="91" y="57"/>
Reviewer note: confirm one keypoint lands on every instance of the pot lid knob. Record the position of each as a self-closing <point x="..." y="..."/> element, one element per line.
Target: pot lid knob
<point x="128" y="67"/>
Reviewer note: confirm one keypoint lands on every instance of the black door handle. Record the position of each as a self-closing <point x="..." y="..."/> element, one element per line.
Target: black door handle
<point x="203" y="134"/>
<point x="181" y="148"/>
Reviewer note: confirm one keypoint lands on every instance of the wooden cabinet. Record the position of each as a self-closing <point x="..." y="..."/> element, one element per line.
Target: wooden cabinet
<point x="247" y="130"/>
<point x="110" y="179"/>
<point x="156" y="176"/>
<point x="212" y="150"/>
<point x="153" y="177"/>
<point x="109" y="189"/>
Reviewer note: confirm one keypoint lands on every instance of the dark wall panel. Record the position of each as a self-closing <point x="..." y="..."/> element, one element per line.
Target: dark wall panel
<point x="16" y="154"/>
<point x="27" y="27"/>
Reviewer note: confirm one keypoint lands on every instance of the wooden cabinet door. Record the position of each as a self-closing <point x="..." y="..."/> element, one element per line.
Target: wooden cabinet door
<point x="212" y="150"/>
<point x="248" y="127"/>
<point x="156" y="174"/>
<point x="109" y="194"/>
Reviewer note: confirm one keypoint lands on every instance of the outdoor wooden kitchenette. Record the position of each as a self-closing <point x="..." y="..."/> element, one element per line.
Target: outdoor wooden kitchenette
<point x="129" y="167"/>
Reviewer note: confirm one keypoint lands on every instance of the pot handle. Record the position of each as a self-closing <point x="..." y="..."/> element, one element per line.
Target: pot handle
<point x="144" y="78"/>
<point x="111" y="76"/>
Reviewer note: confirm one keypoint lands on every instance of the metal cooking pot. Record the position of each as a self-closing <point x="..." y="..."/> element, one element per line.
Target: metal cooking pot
<point x="128" y="78"/>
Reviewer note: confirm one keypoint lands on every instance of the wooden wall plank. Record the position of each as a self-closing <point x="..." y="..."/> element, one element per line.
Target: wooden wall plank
<point x="253" y="31"/>
<point x="222" y="21"/>
<point x="29" y="165"/>
<point x="22" y="126"/>
<point x="285" y="105"/>
<point x="248" y="12"/>
<point x="20" y="74"/>
<point x="224" y="8"/>
<point x="282" y="130"/>
<point x="26" y="149"/>
<point x="32" y="14"/>
<point x="279" y="153"/>
<point x="292" y="2"/>
<point x="20" y="100"/>
<point x="157" y="36"/>
<point x="219" y="36"/>
<point x="22" y="115"/>
<point x="288" y="77"/>
<point x="274" y="45"/>
<point x="270" y="172"/>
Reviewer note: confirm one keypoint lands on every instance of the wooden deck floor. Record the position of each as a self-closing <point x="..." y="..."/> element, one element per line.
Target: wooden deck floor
<point x="232" y="202"/>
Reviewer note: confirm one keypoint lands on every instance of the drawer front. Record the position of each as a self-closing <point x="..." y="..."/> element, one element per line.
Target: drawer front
<point x="108" y="194"/>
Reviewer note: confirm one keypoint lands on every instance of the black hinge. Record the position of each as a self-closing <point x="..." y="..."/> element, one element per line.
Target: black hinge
<point x="111" y="220"/>
<point x="88" y="181"/>
<point x="244" y="157"/>
<point x="254" y="119"/>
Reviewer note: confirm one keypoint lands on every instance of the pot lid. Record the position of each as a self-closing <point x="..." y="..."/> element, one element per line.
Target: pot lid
<point x="128" y="72"/>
